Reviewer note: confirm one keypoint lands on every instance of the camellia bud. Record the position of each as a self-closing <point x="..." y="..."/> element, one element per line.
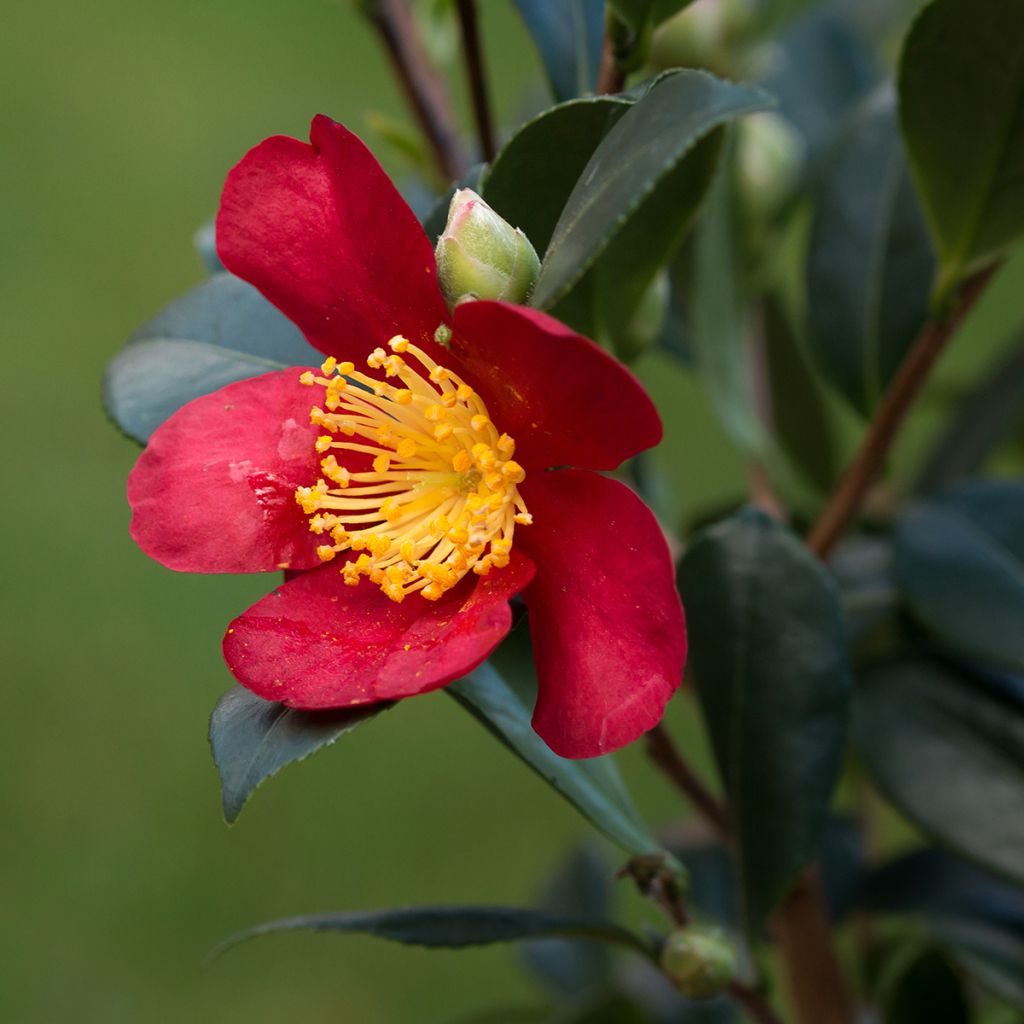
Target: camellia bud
<point x="482" y="256"/>
<point x="699" y="961"/>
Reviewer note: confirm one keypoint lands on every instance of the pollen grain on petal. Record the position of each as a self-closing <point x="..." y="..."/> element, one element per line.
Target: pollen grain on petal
<point x="441" y="499"/>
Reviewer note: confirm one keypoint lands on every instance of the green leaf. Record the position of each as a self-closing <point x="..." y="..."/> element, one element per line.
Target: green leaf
<point x="927" y="989"/>
<point x="650" y="142"/>
<point x="870" y="262"/>
<point x="526" y="186"/>
<point x="959" y="560"/>
<point x="949" y="756"/>
<point x="961" y="85"/>
<point x="593" y="786"/>
<point x="448" y="927"/>
<point x="252" y="739"/>
<point x="769" y="653"/>
<point x="800" y="417"/>
<point x="988" y="417"/>
<point x="993" y="957"/>
<point x="568" y="35"/>
<point x="219" y="332"/>
<point x="719" y="329"/>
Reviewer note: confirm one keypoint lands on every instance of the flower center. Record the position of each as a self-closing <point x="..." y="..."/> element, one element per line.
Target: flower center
<point x="441" y="499"/>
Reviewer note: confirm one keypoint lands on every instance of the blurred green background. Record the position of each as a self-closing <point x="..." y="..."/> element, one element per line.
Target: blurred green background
<point x="120" y="120"/>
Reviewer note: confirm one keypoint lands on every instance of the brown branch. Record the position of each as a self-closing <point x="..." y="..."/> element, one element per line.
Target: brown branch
<point x="472" y="53"/>
<point x="661" y="749"/>
<point x="611" y="78"/>
<point x="867" y="464"/>
<point x="423" y="86"/>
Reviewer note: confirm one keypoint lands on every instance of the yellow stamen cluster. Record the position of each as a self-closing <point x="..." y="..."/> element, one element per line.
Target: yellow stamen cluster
<point x="441" y="498"/>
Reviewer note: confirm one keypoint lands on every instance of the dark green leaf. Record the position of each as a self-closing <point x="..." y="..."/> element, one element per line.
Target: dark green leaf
<point x="435" y="221"/>
<point x="870" y="263"/>
<point x="448" y="927"/>
<point x="927" y="989"/>
<point x="988" y="417"/>
<point x="819" y="69"/>
<point x="526" y="186"/>
<point x="593" y="786"/>
<point x="568" y="35"/>
<point x="994" y="958"/>
<point x="650" y="141"/>
<point x="220" y="332"/>
<point x="960" y="563"/>
<point x="800" y="417"/>
<point x="769" y="652"/>
<point x="252" y="739"/>
<point x="961" y="84"/>
<point x="949" y="756"/>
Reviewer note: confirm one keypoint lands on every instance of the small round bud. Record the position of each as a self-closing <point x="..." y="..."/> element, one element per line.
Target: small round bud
<point x="699" y="961"/>
<point x="482" y="256"/>
<point x="770" y="156"/>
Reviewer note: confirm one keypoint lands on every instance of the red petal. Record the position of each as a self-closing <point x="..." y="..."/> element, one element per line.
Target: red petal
<point x="321" y="231"/>
<point x="564" y="400"/>
<point x="317" y="643"/>
<point x="214" y="491"/>
<point x="607" y="625"/>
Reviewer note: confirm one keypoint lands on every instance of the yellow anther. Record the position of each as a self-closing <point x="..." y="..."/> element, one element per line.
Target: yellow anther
<point x="308" y="378"/>
<point x="513" y="472"/>
<point x="431" y="509"/>
<point x="523" y="518"/>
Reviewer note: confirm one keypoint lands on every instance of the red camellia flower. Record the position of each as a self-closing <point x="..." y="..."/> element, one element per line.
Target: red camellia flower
<point x="423" y="494"/>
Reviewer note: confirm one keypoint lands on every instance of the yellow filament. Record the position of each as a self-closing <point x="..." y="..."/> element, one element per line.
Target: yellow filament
<point x="442" y="497"/>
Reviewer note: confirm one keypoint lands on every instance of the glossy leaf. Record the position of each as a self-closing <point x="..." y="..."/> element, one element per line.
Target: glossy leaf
<point x="870" y="262"/>
<point x="961" y="85"/>
<point x="220" y="332"/>
<point x="568" y="36"/>
<point x="650" y="143"/>
<point x="948" y="756"/>
<point x="593" y="786"/>
<point x="927" y="989"/>
<point x="252" y="739"/>
<point x="769" y="653"/>
<point x="448" y="927"/>
<point x="987" y="417"/>
<point x="994" y="958"/>
<point x="719" y="328"/>
<point x="959" y="560"/>
<point x="526" y="186"/>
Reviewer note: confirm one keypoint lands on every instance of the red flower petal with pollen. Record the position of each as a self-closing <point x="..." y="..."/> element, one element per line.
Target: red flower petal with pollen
<point x="321" y="231"/>
<point x="214" y="491"/>
<point x="564" y="400"/>
<point x="607" y="625"/>
<point x="316" y="643"/>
